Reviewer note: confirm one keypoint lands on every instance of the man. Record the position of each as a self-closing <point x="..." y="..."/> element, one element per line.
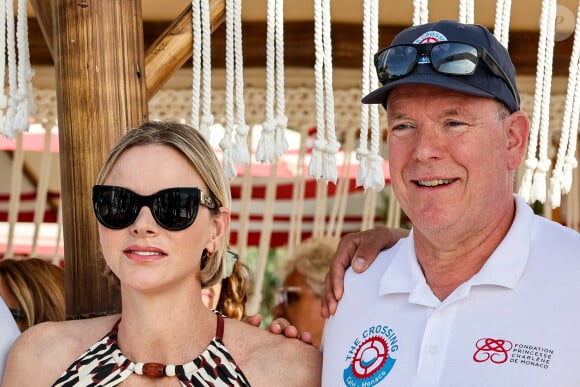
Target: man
<point x="298" y="300"/>
<point x="482" y="292"/>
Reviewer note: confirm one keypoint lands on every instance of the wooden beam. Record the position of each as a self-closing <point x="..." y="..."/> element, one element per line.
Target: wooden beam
<point x="299" y="46"/>
<point x="100" y="93"/>
<point x="174" y="46"/>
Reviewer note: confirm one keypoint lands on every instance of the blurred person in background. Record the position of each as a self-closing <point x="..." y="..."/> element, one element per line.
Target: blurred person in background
<point x="230" y="294"/>
<point x="298" y="299"/>
<point x="33" y="290"/>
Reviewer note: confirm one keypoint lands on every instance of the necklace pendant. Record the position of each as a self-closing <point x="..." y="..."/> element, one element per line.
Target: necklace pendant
<point x="153" y="370"/>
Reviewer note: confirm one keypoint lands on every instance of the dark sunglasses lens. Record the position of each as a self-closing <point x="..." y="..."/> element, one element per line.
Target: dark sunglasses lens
<point x="115" y="207"/>
<point x="395" y="62"/>
<point x="175" y="209"/>
<point x="454" y="58"/>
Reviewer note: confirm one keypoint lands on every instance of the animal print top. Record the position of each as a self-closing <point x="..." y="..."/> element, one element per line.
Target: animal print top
<point x="103" y="364"/>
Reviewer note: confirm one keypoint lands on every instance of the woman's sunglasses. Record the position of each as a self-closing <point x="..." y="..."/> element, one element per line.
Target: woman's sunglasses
<point x="451" y="58"/>
<point x="173" y="209"/>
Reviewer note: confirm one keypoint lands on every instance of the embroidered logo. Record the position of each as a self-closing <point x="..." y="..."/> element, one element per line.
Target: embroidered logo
<point x="494" y="350"/>
<point x="429" y="37"/>
<point x="500" y="351"/>
<point x="370" y="358"/>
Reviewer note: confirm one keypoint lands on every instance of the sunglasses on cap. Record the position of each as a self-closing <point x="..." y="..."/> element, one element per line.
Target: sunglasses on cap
<point x="173" y="209"/>
<point x="450" y="58"/>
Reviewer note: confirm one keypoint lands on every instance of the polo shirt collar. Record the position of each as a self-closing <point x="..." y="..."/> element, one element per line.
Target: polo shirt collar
<point x="503" y="268"/>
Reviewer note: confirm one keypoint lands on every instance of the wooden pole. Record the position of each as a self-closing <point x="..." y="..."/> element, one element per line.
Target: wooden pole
<point x="100" y="87"/>
<point x="102" y="91"/>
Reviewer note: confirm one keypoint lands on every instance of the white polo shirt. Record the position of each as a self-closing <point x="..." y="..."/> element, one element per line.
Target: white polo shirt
<point x="515" y="323"/>
<point x="8" y="333"/>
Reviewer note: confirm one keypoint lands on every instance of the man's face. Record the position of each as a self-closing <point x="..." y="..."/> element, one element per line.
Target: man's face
<point x="451" y="158"/>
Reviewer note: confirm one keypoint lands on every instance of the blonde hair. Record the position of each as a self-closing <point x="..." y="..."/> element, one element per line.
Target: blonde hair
<point x="38" y="286"/>
<point x="194" y="147"/>
<point x="312" y="259"/>
<point x="236" y="289"/>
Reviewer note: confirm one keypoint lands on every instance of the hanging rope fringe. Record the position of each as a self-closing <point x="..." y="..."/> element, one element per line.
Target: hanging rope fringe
<point x="502" y="21"/>
<point x="561" y="179"/>
<point x="201" y="86"/>
<point x="18" y="105"/>
<point x="370" y="174"/>
<point x="420" y="12"/>
<point x="272" y="142"/>
<point x="537" y="164"/>
<point x="241" y="148"/>
<point x="234" y="93"/>
<point x="323" y="162"/>
<point x="466" y="11"/>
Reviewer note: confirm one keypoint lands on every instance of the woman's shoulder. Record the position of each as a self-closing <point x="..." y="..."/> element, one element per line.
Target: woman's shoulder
<point x="288" y="361"/>
<point x="45" y="350"/>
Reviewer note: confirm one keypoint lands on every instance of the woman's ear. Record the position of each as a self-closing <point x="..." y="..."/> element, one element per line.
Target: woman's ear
<point x="221" y="226"/>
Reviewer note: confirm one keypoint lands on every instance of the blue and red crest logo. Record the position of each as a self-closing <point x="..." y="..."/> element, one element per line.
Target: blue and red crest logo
<point x="426" y="38"/>
<point x="370" y="357"/>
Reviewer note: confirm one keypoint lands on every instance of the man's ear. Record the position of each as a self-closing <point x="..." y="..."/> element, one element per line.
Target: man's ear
<point x="518" y="131"/>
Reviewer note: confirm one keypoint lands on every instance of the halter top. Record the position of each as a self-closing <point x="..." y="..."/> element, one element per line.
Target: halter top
<point x="103" y="364"/>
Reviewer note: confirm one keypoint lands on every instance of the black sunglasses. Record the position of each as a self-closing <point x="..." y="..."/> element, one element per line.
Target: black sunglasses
<point x="173" y="208"/>
<point x="451" y="58"/>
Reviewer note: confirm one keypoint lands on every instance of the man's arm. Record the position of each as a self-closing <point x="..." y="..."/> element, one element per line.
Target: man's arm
<point x="358" y="250"/>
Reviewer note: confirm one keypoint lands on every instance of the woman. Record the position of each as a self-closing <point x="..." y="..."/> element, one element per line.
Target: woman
<point x="230" y="293"/>
<point x="163" y="209"/>
<point x="33" y="290"/>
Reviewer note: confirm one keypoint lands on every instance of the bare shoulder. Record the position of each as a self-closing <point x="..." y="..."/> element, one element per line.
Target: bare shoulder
<point x="43" y="352"/>
<point x="272" y="360"/>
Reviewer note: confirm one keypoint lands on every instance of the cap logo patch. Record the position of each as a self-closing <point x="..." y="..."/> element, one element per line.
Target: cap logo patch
<point x="426" y="38"/>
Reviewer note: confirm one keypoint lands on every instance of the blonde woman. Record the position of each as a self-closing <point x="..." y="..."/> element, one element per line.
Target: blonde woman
<point x="163" y="208"/>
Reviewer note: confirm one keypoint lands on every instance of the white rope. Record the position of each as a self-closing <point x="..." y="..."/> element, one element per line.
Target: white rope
<point x="206" y="115"/>
<point x="3" y="97"/>
<point x="196" y="63"/>
<point x="466" y="11"/>
<point x="18" y="105"/>
<point x="571" y="110"/>
<point x="370" y="174"/>
<point x="226" y="142"/>
<point x="539" y="182"/>
<point x="323" y="161"/>
<point x="315" y="168"/>
<point x="201" y="85"/>
<point x="25" y="99"/>
<point x="281" y="144"/>
<point x="537" y="165"/>
<point x="241" y="153"/>
<point x="9" y="128"/>
<point x="502" y="21"/>
<point x="420" y="12"/>
<point x="332" y="145"/>
<point x="266" y="148"/>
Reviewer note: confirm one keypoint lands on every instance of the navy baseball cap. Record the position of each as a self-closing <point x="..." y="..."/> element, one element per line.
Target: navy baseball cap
<point x="483" y="82"/>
